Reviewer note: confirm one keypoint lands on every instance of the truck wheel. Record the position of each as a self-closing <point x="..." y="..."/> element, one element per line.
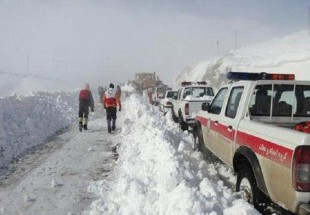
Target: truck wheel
<point x="183" y="125"/>
<point x="174" y="117"/>
<point x="246" y="184"/>
<point x="198" y="139"/>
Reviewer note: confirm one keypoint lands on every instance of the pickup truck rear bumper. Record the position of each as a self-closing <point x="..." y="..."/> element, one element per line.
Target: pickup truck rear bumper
<point x="304" y="209"/>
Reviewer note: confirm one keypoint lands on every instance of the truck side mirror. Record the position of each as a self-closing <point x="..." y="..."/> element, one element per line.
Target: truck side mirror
<point x="205" y="106"/>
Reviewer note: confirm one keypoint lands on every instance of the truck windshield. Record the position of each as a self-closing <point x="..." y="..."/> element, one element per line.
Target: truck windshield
<point x="198" y="92"/>
<point x="172" y="94"/>
<point x="281" y="100"/>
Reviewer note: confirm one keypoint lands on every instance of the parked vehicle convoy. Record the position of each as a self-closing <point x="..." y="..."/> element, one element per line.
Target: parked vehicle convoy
<point x="157" y="95"/>
<point x="260" y="127"/>
<point x="165" y="103"/>
<point x="188" y="102"/>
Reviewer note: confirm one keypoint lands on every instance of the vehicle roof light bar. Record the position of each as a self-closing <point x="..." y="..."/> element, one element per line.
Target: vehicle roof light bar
<point x="186" y="83"/>
<point x="237" y="76"/>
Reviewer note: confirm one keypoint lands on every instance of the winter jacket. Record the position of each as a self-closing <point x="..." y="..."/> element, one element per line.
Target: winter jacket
<point x="111" y="98"/>
<point x="86" y="99"/>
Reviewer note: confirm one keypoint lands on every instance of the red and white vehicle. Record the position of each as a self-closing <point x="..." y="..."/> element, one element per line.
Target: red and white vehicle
<point x="165" y="102"/>
<point x="188" y="102"/>
<point x="261" y="129"/>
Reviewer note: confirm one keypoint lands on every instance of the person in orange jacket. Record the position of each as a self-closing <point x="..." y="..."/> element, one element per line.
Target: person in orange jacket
<point x="111" y="100"/>
<point x="85" y="101"/>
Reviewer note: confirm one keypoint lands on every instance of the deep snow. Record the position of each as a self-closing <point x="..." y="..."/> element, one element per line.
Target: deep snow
<point x="54" y="179"/>
<point x="26" y="121"/>
<point x="157" y="171"/>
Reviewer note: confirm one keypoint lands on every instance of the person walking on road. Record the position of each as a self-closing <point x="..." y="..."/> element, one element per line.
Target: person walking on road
<point x="111" y="100"/>
<point x="85" y="101"/>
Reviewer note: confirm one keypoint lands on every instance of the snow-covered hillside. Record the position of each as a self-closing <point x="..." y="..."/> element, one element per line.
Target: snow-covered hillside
<point x="23" y="84"/>
<point x="284" y="55"/>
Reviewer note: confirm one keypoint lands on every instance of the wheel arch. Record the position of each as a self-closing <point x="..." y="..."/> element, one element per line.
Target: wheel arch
<point x="175" y="118"/>
<point x="246" y="155"/>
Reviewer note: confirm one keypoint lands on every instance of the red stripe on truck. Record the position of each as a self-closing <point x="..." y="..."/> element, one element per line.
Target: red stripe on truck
<point x="265" y="148"/>
<point x="223" y="130"/>
<point x="270" y="150"/>
<point x="203" y="121"/>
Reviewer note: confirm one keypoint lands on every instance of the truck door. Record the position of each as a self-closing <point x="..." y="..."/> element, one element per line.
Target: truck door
<point x="176" y="102"/>
<point x="228" y="125"/>
<point x="210" y="130"/>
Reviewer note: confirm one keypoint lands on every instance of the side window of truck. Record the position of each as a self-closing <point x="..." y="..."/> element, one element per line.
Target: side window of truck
<point x="261" y="100"/>
<point x="283" y="100"/>
<point x="233" y="102"/>
<point x="218" y="101"/>
<point x="179" y="94"/>
<point x="187" y="92"/>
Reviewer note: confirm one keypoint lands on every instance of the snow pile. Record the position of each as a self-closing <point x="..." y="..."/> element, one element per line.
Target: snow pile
<point x="158" y="172"/>
<point x="27" y="121"/>
<point x="286" y="55"/>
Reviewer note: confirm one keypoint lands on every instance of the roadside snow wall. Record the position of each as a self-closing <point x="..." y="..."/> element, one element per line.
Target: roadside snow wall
<point x="158" y="172"/>
<point x="26" y="121"/>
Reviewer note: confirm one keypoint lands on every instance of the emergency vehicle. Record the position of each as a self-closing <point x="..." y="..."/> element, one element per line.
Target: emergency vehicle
<point x="165" y="103"/>
<point x="188" y="102"/>
<point x="259" y="125"/>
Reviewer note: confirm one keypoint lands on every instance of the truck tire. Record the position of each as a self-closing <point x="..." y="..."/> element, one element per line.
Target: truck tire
<point x="199" y="139"/>
<point x="174" y="117"/>
<point x="182" y="124"/>
<point x="246" y="183"/>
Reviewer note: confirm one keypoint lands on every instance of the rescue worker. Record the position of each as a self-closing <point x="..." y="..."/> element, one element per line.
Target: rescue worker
<point x="111" y="100"/>
<point x="100" y="92"/>
<point x="119" y="91"/>
<point x="85" y="101"/>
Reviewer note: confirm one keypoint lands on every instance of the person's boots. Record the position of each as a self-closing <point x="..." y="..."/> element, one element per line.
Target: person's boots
<point x="85" y="123"/>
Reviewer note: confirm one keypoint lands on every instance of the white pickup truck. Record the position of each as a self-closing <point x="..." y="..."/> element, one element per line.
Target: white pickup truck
<point x="261" y="129"/>
<point x="188" y="102"/>
<point x="165" y="103"/>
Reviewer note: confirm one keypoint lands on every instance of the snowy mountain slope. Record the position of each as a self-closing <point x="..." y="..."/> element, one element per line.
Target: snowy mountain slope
<point x="285" y="55"/>
<point x="23" y="84"/>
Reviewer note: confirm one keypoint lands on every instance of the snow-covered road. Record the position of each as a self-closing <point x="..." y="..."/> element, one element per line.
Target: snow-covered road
<point x="157" y="171"/>
<point x="54" y="180"/>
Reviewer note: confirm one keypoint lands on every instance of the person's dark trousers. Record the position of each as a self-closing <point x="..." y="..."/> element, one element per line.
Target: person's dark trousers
<point x="83" y="117"/>
<point x="111" y="118"/>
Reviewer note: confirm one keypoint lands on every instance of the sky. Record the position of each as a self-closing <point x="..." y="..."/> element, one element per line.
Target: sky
<point x="101" y="41"/>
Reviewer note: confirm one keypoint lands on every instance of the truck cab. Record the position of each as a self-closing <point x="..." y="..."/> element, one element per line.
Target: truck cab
<point x="259" y="127"/>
